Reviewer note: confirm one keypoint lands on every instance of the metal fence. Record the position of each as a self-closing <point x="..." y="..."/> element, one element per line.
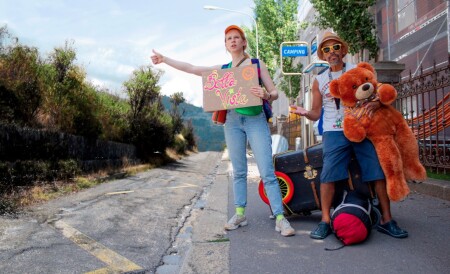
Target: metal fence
<point x="424" y="101"/>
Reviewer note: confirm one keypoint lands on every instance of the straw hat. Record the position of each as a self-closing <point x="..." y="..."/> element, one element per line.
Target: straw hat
<point x="331" y="36"/>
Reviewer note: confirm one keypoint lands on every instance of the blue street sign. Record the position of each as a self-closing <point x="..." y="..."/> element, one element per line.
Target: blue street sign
<point x="313" y="47"/>
<point x="294" y="51"/>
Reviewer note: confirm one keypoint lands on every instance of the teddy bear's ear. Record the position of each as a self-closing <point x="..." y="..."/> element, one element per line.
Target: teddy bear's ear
<point x="366" y="66"/>
<point x="334" y="88"/>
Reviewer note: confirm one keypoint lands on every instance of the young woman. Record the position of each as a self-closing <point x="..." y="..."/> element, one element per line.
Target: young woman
<point x="242" y="124"/>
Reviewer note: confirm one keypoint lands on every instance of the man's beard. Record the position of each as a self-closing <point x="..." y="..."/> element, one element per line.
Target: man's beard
<point x="336" y="61"/>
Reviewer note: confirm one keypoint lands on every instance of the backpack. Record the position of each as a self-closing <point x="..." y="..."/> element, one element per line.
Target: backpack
<point x="351" y="220"/>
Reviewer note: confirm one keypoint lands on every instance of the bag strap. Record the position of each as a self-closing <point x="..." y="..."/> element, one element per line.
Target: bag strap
<point x="343" y="204"/>
<point x="224" y="66"/>
<point x="256" y="61"/>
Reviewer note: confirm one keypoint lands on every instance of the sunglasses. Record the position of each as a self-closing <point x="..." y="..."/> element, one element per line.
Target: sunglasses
<point x="335" y="47"/>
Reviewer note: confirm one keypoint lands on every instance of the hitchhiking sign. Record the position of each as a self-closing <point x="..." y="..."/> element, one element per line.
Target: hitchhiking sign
<point x="294" y="51"/>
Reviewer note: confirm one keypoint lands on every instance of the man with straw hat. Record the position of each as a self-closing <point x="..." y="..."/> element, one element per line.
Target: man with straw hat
<point x="337" y="149"/>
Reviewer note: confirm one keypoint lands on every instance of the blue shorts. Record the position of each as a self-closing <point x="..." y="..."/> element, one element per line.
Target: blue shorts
<point x="337" y="153"/>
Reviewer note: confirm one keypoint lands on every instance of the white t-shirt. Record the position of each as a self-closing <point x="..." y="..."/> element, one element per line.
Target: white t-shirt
<point x="332" y="116"/>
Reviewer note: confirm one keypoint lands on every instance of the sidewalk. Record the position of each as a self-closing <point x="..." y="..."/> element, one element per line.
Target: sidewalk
<point x="432" y="187"/>
<point x="210" y="243"/>
<point x="255" y="248"/>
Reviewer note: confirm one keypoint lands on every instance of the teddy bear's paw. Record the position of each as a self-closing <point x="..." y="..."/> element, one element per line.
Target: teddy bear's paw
<point x="353" y="130"/>
<point x="355" y="134"/>
<point x="387" y="94"/>
<point x="397" y="189"/>
<point x="415" y="172"/>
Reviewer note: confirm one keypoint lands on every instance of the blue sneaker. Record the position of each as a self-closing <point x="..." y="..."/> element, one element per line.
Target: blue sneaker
<point x="392" y="229"/>
<point x="322" y="231"/>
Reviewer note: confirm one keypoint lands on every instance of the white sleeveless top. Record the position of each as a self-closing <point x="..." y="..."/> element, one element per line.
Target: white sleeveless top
<point x="333" y="115"/>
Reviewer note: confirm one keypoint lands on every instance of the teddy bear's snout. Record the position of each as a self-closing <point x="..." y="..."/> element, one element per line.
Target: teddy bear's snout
<point x="366" y="87"/>
<point x="364" y="91"/>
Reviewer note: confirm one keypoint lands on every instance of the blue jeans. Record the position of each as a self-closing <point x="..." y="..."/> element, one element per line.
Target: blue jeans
<point x="239" y="128"/>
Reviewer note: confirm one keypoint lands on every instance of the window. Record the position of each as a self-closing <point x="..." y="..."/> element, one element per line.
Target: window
<point x="406" y="13"/>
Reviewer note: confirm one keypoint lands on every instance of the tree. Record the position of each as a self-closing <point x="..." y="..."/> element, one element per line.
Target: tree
<point x="143" y="90"/>
<point x="150" y="128"/>
<point x="352" y="21"/>
<point x="112" y="115"/>
<point x="22" y="90"/>
<point x="20" y="81"/>
<point x="188" y="134"/>
<point x="71" y="105"/>
<point x="176" y="99"/>
<point x="277" y="23"/>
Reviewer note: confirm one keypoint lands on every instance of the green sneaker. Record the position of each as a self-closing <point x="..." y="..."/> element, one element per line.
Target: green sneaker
<point x="235" y="222"/>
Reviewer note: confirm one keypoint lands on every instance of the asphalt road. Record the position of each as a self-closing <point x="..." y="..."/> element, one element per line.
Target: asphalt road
<point x="170" y="220"/>
<point x="133" y="225"/>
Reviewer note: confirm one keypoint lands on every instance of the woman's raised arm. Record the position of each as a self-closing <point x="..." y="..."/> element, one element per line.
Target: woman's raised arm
<point x="158" y="58"/>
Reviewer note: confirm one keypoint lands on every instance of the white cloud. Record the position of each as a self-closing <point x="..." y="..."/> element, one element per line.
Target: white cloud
<point x="190" y="85"/>
<point x="114" y="37"/>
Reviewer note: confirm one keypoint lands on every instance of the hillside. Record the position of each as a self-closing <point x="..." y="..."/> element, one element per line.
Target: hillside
<point x="210" y="137"/>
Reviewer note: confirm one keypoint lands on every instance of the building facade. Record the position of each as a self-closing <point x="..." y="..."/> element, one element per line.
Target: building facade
<point x="413" y="32"/>
<point x="410" y="32"/>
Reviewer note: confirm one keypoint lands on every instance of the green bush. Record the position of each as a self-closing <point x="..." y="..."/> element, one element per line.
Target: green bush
<point x="151" y="134"/>
<point x="112" y="114"/>
<point x="67" y="169"/>
<point x="83" y="183"/>
<point x="7" y="206"/>
<point x="180" y="145"/>
<point x="29" y="173"/>
<point x="189" y="136"/>
<point x="26" y="173"/>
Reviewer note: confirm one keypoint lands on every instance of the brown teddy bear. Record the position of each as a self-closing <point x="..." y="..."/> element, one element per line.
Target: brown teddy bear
<point x="394" y="142"/>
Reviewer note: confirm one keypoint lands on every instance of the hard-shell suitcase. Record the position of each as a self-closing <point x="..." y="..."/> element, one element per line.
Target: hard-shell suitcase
<point x="298" y="173"/>
<point x="303" y="167"/>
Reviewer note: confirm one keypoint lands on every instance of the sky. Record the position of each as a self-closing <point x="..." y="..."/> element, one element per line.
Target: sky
<point x="112" y="38"/>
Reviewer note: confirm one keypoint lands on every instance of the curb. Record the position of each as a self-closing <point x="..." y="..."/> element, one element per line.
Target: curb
<point x="210" y="245"/>
<point x="432" y="187"/>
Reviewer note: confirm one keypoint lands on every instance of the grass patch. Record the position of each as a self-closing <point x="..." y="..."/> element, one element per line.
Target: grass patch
<point x="438" y="176"/>
<point x="132" y="170"/>
<point x="83" y="182"/>
<point x="219" y="240"/>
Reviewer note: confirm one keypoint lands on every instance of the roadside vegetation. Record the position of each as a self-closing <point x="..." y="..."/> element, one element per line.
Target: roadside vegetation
<point x="51" y="93"/>
<point x="439" y="176"/>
